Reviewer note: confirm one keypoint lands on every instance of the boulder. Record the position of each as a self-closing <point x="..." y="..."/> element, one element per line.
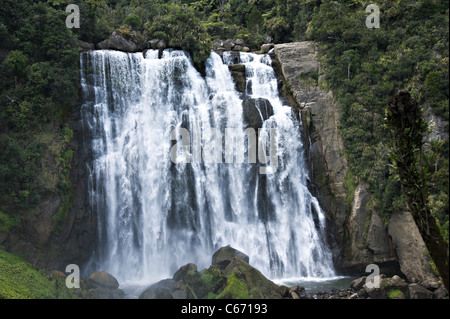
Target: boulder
<point x="266" y="47"/>
<point x="387" y="285"/>
<point x="217" y="44"/>
<point x="103" y="279"/>
<point x="245" y="281"/>
<point x="256" y="111"/>
<point x="117" y="42"/>
<point x="192" y="284"/>
<point x="186" y="273"/>
<point x="237" y="47"/>
<point x="154" y="43"/>
<point x="240" y="42"/>
<point x="161" y="45"/>
<point x="416" y="291"/>
<point x="358" y="283"/>
<point x="228" y="45"/>
<point x="223" y="256"/>
<point x="410" y="248"/>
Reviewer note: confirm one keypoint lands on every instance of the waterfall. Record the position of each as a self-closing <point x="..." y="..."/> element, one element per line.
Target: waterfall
<point x="160" y="206"/>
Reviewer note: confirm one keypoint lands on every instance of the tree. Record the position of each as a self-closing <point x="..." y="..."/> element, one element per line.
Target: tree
<point x="407" y="128"/>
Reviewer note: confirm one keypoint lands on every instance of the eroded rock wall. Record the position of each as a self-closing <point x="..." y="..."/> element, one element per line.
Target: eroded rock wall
<point x="358" y="236"/>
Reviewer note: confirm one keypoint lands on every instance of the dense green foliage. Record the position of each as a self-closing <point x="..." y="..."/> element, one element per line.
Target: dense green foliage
<point x="365" y="67"/>
<point x="38" y="88"/>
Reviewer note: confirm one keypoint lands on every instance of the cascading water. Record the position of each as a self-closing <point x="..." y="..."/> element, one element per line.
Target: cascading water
<point x="155" y="213"/>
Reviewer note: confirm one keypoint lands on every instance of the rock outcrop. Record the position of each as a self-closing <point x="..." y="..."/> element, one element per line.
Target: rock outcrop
<point x="366" y="238"/>
<point x="256" y="111"/>
<point x="117" y="42"/>
<point x="221" y="46"/>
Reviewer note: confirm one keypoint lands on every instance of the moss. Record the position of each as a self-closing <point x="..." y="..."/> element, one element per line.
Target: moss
<point x="395" y="294"/>
<point x="19" y="280"/>
<point x="6" y="222"/>
<point x="350" y="186"/>
<point x="235" y="289"/>
<point x="367" y="224"/>
<point x="211" y="295"/>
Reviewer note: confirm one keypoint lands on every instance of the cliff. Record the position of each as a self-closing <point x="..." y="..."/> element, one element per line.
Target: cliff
<point x="357" y="234"/>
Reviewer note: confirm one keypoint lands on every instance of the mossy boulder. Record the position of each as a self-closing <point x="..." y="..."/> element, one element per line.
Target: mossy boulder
<point x="387" y="285"/>
<point x="257" y="285"/>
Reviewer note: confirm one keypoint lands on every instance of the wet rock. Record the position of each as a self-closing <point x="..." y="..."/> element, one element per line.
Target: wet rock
<point x="223" y="257"/>
<point x="256" y="111"/>
<point x="103" y="279"/>
<point x="238" y="74"/>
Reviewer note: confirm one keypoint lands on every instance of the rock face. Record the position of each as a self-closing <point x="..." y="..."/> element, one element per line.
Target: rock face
<point x="299" y="69"/>
<point x="366" y="238"/>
